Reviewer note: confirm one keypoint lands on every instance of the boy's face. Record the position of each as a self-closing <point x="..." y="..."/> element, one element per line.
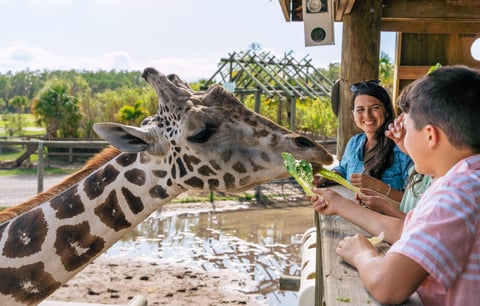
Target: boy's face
<point x="416" y="144"/>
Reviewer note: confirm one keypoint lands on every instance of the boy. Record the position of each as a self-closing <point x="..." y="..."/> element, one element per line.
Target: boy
<point x="438" y="253"/>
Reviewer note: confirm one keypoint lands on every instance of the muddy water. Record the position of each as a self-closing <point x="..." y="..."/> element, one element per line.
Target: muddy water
<point x="263" y="243"/>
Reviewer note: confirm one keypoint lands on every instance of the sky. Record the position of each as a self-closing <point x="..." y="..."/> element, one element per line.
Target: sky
<point x="186" y="37"/>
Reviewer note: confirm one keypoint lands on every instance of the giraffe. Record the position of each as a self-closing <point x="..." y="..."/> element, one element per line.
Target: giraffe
<point x="203" y="140"/>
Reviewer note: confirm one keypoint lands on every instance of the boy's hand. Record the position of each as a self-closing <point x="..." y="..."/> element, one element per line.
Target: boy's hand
<point x="396" y="132"/>
<point x="326" y="201"/>
<point x="353" y="248"/>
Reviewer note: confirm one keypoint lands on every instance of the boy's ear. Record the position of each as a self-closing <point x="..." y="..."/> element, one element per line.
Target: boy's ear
<point x="433" y="135"/>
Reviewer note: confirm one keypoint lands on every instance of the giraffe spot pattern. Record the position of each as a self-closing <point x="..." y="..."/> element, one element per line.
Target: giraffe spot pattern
<point x="213" y="184"/>
<point x="239" y="167"/>
<point x="29" y="284"/>
<point x="215" y="165"/>
<point x="134" y="203"/>
<point x="67" y="204"/>
<point x="190" y="160"/>
<point x="194" y="182"/>
<point x="126" y="159"/>
<point x="135" y="176"/>
<point x="181" y="167"/>
<point x="76" y="246"/>
<point x="111" y="214"/>
<point x="229" y="180"/>
<point x="245" y="180"/>
<point x="160" y="173"/>
<point x="205" y="170"/>
<point x="26" y="234"/>
<point x="95" y="184"/>
<point x="158" y="192"/>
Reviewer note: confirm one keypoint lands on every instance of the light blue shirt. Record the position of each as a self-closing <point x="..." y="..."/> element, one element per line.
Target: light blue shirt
<point x="352" y="162"/>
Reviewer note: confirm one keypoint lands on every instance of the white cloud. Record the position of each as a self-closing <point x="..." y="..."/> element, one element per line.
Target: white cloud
<point x="18" y="56"/>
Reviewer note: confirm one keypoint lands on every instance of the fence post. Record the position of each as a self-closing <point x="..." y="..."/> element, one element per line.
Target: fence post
<point x="40" y="167"/>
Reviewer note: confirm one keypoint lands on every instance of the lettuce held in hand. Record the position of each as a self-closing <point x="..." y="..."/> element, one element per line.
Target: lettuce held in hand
<point x="301" y="171"/>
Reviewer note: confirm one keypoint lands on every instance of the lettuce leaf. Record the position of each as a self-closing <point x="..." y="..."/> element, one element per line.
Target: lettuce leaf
<point x="332" y="176"/>
<point x="301" y="171"/>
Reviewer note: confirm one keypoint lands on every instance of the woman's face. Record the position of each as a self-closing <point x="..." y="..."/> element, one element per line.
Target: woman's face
<point x="368" y="113"/>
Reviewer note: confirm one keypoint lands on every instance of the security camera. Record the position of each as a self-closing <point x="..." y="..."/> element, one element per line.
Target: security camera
<point x="318" y="22"/>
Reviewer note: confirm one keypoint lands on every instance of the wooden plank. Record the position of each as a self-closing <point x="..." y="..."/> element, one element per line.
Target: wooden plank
<point x="421" y="9"/>
<point x="411" y="72"/>
<point x="410" y="25"/>
<point x="285" y="6"/>
<point x="342" y="282"/>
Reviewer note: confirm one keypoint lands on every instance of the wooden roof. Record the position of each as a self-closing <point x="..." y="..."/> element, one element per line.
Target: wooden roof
<point x="411" y="16"/>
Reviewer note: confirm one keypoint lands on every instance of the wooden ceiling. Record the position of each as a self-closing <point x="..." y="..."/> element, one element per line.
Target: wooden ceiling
<point x="409" y="16"/>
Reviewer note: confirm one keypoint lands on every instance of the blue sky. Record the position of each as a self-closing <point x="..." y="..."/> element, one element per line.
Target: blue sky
<point x="186" y="37"/>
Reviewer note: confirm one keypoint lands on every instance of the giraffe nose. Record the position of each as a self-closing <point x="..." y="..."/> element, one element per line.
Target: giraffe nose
<point x="304" y="142"/>
<point x="148" y="71"/>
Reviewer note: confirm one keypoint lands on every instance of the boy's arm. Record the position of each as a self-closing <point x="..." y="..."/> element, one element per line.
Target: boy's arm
<point x="330" y="202"/>
<point x="391" y="279"/>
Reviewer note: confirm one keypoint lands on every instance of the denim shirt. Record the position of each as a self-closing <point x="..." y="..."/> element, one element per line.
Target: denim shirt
<point x="352" y="162"/>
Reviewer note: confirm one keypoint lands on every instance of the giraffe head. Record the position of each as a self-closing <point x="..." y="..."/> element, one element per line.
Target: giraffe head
<point x="210" y="140"/>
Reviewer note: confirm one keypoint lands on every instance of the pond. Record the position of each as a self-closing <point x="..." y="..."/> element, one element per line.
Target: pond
<point x="263" y="243"/>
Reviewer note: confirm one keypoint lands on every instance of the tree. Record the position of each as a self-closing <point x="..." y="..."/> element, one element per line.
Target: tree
<point x="132" y="114"/>
<point x="57" y="109"/>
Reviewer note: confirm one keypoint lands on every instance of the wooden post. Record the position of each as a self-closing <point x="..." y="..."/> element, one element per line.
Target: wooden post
<point x="40" y="167"/>
<point x="293" y="113"/>
<point x="360" y="60"/>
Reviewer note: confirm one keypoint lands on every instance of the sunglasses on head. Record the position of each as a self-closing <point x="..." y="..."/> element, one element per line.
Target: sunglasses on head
<point x="368" y="84"/>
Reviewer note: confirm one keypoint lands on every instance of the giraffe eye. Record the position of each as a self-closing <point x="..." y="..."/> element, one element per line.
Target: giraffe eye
<point x="204" y="134"/>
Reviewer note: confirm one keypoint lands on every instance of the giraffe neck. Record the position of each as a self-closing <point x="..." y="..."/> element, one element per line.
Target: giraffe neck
<point x="78" y="225"/>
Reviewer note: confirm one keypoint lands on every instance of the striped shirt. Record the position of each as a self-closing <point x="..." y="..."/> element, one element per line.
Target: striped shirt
<point x="442" y="234"/>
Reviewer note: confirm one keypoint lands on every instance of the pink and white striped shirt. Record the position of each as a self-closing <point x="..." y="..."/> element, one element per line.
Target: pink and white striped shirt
<point x="442" y="234"/>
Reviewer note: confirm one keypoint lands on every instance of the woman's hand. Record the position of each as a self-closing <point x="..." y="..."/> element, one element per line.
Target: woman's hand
<point x="396" y="132"/>
<point x="366" y="181"/>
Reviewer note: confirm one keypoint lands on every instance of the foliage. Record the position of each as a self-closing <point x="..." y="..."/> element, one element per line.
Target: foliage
<point x="132" y="115"/>
<point x="57" y="109"/>
<point x="300" y="170"/>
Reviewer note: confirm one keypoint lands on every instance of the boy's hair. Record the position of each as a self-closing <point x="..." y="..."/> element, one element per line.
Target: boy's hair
<point x="449" y="98"/>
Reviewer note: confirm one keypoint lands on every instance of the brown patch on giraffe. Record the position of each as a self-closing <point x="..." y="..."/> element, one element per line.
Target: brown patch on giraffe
<point x="239" y="167"/>
<point x="76" y="246"/>
<point x="29" y="284"/>
<point x="126" y="159"/>
<point x="206" y="171"/>
<point x="111" y="214"/>
<point x="213" y="184"/>
<point x="135" y="176"/>
<point x="227" y="155"/>
<point x="190" y="160"/>
<point x="96" y="183"/>
<point x="160" y="173"/>
<point x="195" y="182"/>
<point x="26" y="234"/>
<point x="229" y="180"/>
<point x="265" y="157"/>
<point x="181" y="167"/>
<point x="245" y="180"/>
<point x="158" y="192"/>
<point x="145" y="158"/>
<point x="67" y="204"/>
<point x="215" y="165"/>
<point x="134" y="203"/>
<point x="92" y="165"/>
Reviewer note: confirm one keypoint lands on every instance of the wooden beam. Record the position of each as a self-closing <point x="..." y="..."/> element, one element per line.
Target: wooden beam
<point x="424" y="9"/>
<point x="285" y="6"/>
<point x="428" y="25"/>
<point x="411" y="72"/>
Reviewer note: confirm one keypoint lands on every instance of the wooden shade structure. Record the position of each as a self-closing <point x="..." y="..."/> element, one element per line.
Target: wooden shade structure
<point x="428" y="32"/>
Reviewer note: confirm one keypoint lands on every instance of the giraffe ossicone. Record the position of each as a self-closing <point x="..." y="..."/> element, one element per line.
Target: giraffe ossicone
<point x="197" y="140"/>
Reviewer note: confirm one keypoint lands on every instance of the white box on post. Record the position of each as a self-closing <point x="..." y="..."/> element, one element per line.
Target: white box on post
<point x="318" y="22"/>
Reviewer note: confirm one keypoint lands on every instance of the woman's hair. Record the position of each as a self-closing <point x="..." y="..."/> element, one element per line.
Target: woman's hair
<point x="380" y="157"/>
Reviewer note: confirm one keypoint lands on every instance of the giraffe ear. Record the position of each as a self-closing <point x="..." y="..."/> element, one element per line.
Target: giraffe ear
<point x="130" y="139"/>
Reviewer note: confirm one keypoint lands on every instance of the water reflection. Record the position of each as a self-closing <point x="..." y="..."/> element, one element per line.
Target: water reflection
<point x="264" y="243"/>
